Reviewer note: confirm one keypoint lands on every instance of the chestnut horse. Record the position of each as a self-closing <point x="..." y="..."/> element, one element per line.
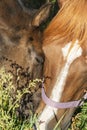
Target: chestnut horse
<point x="65" y="65"/>
<point x="21" y="39"/>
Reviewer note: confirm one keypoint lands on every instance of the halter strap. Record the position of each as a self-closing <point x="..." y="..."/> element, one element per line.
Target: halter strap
<point x="54" y="104"/>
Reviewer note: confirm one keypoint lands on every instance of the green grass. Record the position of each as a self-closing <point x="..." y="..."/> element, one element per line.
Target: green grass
<point x="9" y="102"/>
<point x="79" y="122"/>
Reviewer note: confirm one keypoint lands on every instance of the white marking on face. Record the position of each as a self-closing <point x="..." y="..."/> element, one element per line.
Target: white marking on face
<point x="75" y="52"/>
<point x="65" y="50"/>
<point x="46" y="116"/>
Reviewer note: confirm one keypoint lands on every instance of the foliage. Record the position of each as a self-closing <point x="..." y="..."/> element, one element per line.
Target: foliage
<point x="53" y="1"/>
<point x="79" y="122"/>
<point x="10" y="101"/>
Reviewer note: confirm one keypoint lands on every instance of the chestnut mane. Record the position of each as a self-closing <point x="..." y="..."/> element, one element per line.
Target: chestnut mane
<point x="63" y="26"/>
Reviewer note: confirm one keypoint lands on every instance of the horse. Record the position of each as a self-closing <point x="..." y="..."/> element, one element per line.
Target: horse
<point x="65" y="67"/>
<point x="21" y="39"/>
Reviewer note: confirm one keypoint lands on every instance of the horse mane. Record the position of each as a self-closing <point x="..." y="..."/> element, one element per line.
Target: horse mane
<point x="70" y="23"/>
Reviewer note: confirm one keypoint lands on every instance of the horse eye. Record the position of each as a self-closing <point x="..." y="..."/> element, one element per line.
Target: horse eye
<point x="31" y="39"/>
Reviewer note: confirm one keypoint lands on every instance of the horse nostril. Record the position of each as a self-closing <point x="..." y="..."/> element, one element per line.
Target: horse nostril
<point x="40" y="59"/>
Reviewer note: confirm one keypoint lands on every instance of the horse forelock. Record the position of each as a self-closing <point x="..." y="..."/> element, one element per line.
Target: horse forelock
<point x="69" y="24"/>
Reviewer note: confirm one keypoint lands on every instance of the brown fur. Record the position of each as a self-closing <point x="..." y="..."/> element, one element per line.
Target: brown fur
<point x="20" y="36"/>
<point x="21" y="42"/>
<point x="69" y="24"/>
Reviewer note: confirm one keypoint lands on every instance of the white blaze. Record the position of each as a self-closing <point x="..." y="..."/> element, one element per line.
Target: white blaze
<point x="74" y="53"/>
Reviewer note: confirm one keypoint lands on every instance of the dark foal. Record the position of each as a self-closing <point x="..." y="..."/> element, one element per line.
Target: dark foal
<point x="65" y="48"/>
<point x="21" y="38"/>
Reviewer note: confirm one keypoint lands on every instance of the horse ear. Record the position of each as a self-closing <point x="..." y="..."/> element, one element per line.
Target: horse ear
<point x="42" y="14"/>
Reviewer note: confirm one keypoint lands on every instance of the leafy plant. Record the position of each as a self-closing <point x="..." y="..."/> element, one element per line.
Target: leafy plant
<point x="79" y="122"/>
<point x="9" y="102"/>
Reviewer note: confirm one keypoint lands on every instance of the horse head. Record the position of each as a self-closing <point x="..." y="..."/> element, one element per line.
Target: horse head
<point x="21" y="38"/>
<point x="65" y="67"/>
